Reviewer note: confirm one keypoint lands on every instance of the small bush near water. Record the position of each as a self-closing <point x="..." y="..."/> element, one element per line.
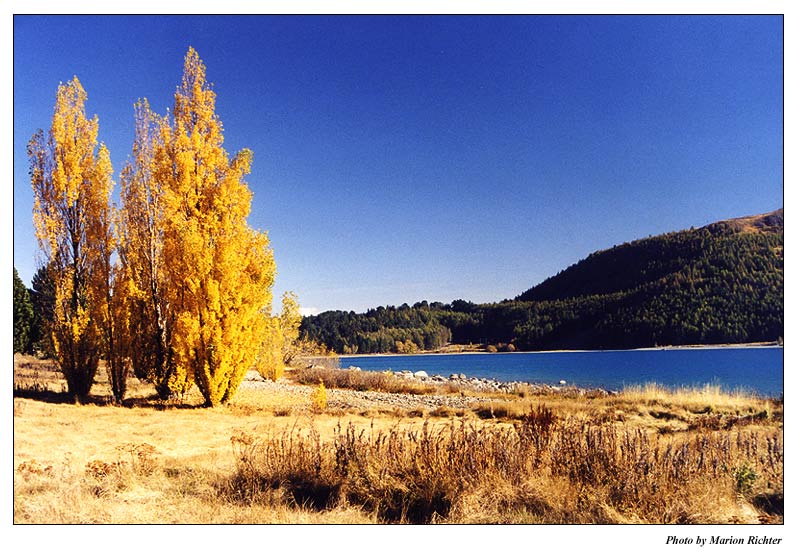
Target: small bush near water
<point x="539" y="470"/>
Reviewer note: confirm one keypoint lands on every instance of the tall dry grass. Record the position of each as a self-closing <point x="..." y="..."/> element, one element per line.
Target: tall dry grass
<point x="707" y="397"/>
<point x="541" y="470"/>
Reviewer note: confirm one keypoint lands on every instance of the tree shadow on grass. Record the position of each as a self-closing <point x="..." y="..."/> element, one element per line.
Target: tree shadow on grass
<point x="61" y="397"/>
<point x="157" y="403"/>
<point x="44" y="395"/>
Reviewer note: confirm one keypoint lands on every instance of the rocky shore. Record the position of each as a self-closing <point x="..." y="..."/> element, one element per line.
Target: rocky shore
<point x="459" y="391"/>
<point x="493" y="385"/>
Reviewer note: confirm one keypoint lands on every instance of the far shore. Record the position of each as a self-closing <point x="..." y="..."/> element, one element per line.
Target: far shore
<point x="753" y="345"/>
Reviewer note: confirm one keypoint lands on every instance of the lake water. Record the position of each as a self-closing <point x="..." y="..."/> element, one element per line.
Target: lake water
<point x="753" y="369"/>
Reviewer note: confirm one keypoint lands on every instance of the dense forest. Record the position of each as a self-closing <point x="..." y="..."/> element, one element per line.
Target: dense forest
<point x="722" y="283"/>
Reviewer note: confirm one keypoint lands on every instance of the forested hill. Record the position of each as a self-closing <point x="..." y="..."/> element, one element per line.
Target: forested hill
<point x="636" y="264"/>
<point x="722" y="283"/>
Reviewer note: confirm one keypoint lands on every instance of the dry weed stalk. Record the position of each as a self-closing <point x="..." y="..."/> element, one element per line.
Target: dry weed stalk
<point x="613" y="474"/>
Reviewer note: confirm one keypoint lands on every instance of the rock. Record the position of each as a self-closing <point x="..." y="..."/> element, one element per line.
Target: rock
<point x="420" y="374"/>
<point x="562" y="382"/>
<point x="352" y="368"/>
<point x="462" y="376"/>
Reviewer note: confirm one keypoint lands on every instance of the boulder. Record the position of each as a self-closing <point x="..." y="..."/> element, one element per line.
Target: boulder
<point x="420" y="374"/>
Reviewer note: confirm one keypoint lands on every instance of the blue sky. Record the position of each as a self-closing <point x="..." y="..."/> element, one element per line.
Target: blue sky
<point x="407" y="158"/>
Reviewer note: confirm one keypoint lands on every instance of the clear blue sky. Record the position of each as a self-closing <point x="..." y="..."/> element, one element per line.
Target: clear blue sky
<point x="407" y="158"/>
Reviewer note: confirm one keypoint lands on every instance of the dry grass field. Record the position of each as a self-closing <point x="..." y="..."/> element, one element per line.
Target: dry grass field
<point x="647" y="455"/>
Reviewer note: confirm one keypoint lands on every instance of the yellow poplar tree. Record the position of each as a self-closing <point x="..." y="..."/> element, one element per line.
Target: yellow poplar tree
<point x="269" y="362"/>
<point x="109" y="310"/>
<point x="72" y="182"/>
<point x="141" y="225"/>
<point x="289" y="320"/>
<point x="219" y="271"/>
<point x="117" y="334"/>
<point x="280" y="344"/>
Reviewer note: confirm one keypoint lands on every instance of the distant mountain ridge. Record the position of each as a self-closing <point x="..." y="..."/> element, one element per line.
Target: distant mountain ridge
<point x="718" y="284"/>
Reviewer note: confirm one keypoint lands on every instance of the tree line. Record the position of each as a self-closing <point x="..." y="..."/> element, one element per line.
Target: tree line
<point x="713" y="285"/>
<point x="171" y="284"/>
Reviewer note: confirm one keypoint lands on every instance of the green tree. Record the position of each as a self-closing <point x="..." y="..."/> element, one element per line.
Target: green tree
<point x="23" y="316"/>
<point x="43" y="300"/>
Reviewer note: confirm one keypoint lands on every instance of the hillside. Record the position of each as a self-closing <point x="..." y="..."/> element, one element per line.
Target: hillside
<point x="641" y="262"/>
<point x="722" y="283"/>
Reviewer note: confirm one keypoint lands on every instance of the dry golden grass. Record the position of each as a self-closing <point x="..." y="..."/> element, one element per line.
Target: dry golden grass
<point x="544" y="470"/>
<point x="360" y="381"/>
<point x="147" y="462"/>
<point x="708" y="397"/>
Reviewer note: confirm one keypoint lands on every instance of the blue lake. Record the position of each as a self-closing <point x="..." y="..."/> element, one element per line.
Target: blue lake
<point x="752" y="369"/>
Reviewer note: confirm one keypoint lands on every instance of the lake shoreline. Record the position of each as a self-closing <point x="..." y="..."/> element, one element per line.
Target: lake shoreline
<point x="732" y="367"/>
<point x="753" y="345"/>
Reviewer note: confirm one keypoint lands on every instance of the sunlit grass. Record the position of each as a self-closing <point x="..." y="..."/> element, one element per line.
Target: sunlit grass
<point x="564" y="457"/>
<point x="707" y="398"/>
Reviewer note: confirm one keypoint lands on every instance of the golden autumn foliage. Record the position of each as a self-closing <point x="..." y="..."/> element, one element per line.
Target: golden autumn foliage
<point x="319" y="398"/>
<point x="218" y="271"/>
<point x="141" y="225"/>
<point x="289" y="321"/>
<point x="72" y="181"/>
<point x="281" y="342"/>
<point x="269" y="362"/>
<point x="173" y="284"/>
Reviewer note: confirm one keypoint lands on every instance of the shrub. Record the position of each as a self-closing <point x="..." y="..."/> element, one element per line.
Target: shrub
<point x="745" y="478"/>
<point x="319" y="399"/>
